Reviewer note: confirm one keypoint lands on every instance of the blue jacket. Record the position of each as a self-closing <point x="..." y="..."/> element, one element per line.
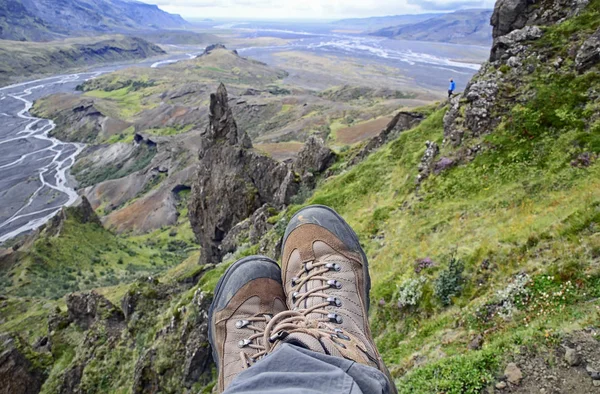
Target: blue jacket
<point x="452" y="86"/>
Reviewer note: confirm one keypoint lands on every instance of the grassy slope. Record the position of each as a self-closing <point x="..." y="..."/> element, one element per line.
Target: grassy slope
<point x="520" y="207"/>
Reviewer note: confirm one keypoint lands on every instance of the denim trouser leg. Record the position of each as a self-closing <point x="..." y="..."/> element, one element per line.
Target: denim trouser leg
<point x="294" y="370"/>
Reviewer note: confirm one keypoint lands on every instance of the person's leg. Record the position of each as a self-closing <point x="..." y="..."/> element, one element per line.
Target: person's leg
<point x="294" y="370"/>
<point x="246" y="298"/>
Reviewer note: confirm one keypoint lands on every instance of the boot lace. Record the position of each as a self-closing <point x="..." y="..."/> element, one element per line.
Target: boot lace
<point x="256" y="324"/>
<point x="297" y="320"/>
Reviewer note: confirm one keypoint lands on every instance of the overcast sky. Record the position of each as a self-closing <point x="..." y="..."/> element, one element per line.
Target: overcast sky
<point x="310" y="9"/>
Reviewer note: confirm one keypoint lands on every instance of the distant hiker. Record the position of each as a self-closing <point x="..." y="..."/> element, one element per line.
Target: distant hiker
<point x="452" y="88"/>
<point x="301" y="328"/>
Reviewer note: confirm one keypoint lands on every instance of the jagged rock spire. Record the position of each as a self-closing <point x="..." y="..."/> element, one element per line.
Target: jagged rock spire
<point x="222" y="125"/>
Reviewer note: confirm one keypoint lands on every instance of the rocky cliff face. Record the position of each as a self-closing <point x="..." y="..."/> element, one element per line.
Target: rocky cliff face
<point x="519" y="55"/>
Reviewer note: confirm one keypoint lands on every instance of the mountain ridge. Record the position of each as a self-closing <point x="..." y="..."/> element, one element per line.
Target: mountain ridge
<point x="471" y="26"/>
<point x="43" y="20"/>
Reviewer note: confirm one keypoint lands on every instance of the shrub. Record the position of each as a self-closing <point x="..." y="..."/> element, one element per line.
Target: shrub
<point x="450" y="282"/>
<point x="410" y="292"/>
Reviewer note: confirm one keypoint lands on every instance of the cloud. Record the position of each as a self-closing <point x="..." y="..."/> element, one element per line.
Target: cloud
<point x="310" y="9"/>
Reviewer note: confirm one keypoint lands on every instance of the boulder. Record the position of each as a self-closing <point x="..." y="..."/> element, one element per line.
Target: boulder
<point x="511" y="45"/>
<point x="513" y="374"/>
<point x="589" y="53"/>
<point x="572" y="357"/>
<point x="509" y="15"/>
<point x="314" y="157"/>
<point x="232" y="180"/>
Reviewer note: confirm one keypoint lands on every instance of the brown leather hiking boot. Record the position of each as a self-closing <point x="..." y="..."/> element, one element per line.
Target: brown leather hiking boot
<point x="326" y="281"/>
<point x="246" y="298"/>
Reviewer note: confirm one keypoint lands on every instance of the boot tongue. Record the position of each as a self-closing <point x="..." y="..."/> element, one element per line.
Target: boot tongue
<point x="322" y="252"/>
<point x="311" y="342"/>
<point x="310" y="302"/>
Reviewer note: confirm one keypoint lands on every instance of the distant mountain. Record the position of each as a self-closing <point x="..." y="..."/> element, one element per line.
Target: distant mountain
<point x="42" y="20"/>
<point x="461" y="27"/>
<point x="377" y="22"/>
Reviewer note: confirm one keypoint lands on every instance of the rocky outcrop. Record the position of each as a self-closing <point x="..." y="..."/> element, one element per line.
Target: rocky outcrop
<point x="17" y="374"/>
<point x="428" y="160"/>
<point x="249" y="231"/>
<point x="189" y="338"/>
<point x="71" y="380"/>
<point x="232" y="180"/>
<point x="510" y="15"/>
<point x="145" y="378"/>
<point x="471" y="113"/>
<point x="589" y="53"/>
<point x="401" y="122"/>
<point x="495" y="89"/>
<point x="313" y="159"/>
<point x="213" y="47"/>
<point x="82" y="212"/>
<point x="85" y="309"/>
<point x="510" y="46"/>
<point x="198" y="357"/>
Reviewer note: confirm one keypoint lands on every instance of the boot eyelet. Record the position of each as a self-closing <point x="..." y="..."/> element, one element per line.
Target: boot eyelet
<point x="308" y="266"/>
<point x="243" y="343"/>
<point x="241" y="323"/>
<point x="333" y="266"/>
<point x="335" y="318"/>
<point x="334" y="337"/>
<point x="334" y="284"/>
<point x="334" y="302"/>
<point x="295" y="295"/>
<point x="278" y="336"/>
<point x="294" y="281"/>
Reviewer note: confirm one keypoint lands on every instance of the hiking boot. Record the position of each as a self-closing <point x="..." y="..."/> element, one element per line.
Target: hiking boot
<point x="246" y="298"/>
<point x="326" y="281"/>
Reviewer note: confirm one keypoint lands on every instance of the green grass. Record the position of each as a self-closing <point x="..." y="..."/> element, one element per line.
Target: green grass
<point x="167" y="131"/>
<point x="128" y="100"/>
<point x="87" y="256"/>
<point x="124" y="137"/>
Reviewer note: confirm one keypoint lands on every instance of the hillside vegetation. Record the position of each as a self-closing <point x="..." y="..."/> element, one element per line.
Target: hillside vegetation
<point x="481" y="224"/>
